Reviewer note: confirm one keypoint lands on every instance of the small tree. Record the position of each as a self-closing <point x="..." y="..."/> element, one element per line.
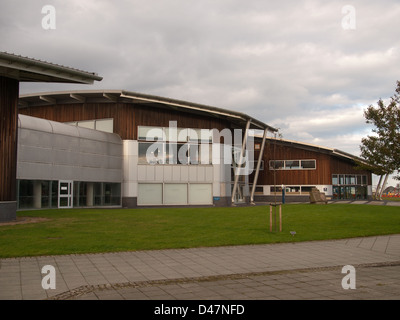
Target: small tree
<point x="382" y="150"/>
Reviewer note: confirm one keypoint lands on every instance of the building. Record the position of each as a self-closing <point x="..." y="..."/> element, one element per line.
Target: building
<point x="121" y="148"/>
<point x="295" y="168"/>
<point x="190" y="146"/>
<point x="13" y="70"/>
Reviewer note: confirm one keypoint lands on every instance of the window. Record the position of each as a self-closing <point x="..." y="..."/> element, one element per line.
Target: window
<point x="277" y="165"/>
<point x="151" y="153"/>
<point x="292" y="164"/>
<point x="308" y="164"/>
<point x="349" y="186"/>
<point x="174" y="145"/>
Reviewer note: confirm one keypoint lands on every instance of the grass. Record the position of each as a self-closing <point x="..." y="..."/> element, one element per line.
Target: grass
<point x="105" y="230"/>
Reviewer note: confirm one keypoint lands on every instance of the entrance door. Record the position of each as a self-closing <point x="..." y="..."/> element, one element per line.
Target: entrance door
<point x="65" y="194"/>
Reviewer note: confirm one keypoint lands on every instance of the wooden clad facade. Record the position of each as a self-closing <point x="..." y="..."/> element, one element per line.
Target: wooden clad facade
<point x="327" y="164"/>
<point x="9" y="89"/>
<point x="127" y="116"/>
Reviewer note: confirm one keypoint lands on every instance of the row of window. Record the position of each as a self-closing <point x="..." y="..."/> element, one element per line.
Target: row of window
<point x="349" y="179"/>
<point x="174" y="134"/>
<point x="292" y="164"/>
<point x="35" y="194"/>
<point x="174" y="153"/>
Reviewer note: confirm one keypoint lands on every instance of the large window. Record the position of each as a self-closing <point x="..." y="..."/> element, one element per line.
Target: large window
<point x="349" y="186"/>
<point x="159" y="145"/>
<point x="292" y="164"/>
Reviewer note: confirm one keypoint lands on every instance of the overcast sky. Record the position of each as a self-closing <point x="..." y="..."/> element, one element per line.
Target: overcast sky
<point x="309" y="68"/>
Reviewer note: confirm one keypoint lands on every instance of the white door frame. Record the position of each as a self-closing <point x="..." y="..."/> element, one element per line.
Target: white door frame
<point x="66" y="191"/>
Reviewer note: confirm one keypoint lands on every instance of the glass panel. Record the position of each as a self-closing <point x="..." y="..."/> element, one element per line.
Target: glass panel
<point x="98" y="194"/>
<point x="358" y="180"/>
<point x="112" y="194"/>
<point x="364" y="180"/>
<point x="292" y="164"/>
<point x="307" y="189"/>
<point x="176" y="134"/>
<point x="335" y="179"/>
<point x="200" y="135"/>
<point x="151" y="133"/>
<point x="276" y="164"/>
<point x="336" y="191"/>
<point x="151" y="153"/>
<point x="25" y="199"/>
<point x="341" y="179"/>
<point x="175" y="193"/>
<point x="308" y="164"/>
<point x="106" y="125"/>
<point x="293" y="190"/>
<point x="46" y="194"/>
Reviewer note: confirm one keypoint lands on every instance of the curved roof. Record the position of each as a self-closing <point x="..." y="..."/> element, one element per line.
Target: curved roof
<point x="43" y="125"/>
<point x="31" y="100"/>
<point x="26" y="69"/>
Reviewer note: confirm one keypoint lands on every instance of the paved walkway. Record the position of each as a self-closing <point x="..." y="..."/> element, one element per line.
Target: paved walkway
<point x="304" y="270"/>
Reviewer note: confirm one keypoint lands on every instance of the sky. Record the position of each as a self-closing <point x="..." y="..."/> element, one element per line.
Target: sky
<point x="309" y="68"/>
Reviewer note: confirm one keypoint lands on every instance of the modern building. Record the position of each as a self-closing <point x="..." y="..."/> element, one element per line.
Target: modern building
<point x="13" y="70"/>
<point x="120" y="148"/>
<point x="107" y="148"/>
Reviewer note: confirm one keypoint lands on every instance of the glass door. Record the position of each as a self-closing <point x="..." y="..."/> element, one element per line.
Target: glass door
<point x="65" y="194"/>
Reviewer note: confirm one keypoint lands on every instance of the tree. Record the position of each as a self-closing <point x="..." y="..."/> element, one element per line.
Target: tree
<point x="382" y="150"/>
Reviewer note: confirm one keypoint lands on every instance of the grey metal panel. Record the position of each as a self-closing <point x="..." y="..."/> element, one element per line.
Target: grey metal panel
<point x="35" y="154"/>
<point x="68" y="153"/>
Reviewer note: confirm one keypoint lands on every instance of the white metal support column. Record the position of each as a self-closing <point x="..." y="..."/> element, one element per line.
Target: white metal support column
<point x="260" y="156"/>
<point x="237" y="172"/>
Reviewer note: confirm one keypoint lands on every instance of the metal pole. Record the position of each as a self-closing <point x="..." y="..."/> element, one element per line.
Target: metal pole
<point x="258" y="167"/>
<point x="237" y="172"/>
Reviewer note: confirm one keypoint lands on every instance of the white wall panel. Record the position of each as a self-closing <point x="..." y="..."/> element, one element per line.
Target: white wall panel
<point x="149" y="194"/>
<point x="175" y="193"/>
<point x="200" y="193"/>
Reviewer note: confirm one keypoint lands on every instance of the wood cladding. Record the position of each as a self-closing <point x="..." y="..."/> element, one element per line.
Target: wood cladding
<point x="9" y="90"/>
<point x="127" y="116"/>
<point x="326" y="166"/>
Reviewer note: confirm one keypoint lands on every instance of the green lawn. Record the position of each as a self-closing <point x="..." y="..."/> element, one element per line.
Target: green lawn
<point x="105" y="230"/>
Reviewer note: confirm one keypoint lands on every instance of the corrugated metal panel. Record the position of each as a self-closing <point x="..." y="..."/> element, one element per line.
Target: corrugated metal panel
<point x="67" y="152"/>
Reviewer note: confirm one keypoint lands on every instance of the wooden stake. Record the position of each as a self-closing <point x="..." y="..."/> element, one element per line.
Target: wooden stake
<point x="270" y="218"/>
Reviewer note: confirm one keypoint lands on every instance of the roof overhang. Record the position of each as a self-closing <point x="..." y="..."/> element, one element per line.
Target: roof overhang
<point x="104" y="96"/>
<point x="26" y="69"/>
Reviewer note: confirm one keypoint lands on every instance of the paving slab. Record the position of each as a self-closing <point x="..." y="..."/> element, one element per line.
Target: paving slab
<point x="305" y="264"/>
